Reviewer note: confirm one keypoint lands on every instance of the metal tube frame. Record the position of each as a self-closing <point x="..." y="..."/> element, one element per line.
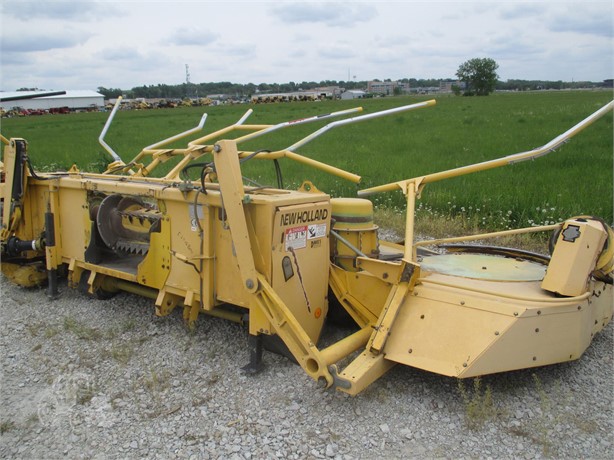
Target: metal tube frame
<point x="204" y="144"/>
<point x="412" y="188"/>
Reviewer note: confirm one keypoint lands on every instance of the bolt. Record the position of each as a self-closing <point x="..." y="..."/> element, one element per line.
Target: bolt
<point x="496" y="332"/>
<point x="217" y="148"/>
<point x="249" y="284"/>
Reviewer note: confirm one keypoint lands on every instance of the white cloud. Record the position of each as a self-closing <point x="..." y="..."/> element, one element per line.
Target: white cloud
<point x="583" y="22"/>
<point x="337" y="51"/>
<point x="25" y="10"/>
<point x="241" y="50"/>
<point x="331" y="14"/>
<point x="522" y="10"/>
<point x="191" y="37"/>
<point x="119" y="54"/>
<point x="41" y="41"/>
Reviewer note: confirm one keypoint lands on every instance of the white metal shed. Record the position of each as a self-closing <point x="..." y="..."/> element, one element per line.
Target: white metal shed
<point x="73" y="99"/>
<point x="353" y="94"/>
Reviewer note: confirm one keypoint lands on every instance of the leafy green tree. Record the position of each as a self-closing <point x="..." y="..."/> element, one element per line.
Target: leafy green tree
<point x="480" y="76"/>
<point x="110" y="93"/>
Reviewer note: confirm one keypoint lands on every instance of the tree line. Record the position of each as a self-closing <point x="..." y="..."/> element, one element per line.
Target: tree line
<point x="478" y="76"/>
<point x="224" y="87"/>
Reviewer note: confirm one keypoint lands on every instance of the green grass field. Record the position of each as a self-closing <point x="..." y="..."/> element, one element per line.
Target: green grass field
<point x="576" y="179"/>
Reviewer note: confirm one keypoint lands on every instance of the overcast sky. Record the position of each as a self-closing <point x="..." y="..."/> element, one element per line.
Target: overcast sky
<point x="86" y="44"/>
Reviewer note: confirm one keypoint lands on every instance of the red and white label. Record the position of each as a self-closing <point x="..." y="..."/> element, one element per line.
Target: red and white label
<point x="296" y="238"/>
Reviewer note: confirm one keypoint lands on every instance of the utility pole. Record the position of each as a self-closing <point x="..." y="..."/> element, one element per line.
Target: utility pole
<point x="187" y="80"/>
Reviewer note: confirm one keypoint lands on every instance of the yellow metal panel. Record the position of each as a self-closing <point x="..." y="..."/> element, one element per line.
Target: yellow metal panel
<point x="575" y="254"/>
<point x="535" y="341"/>
<point x="508" y="298"/>
<point x="208" y="253"/>
<point x="259" y="216"/>
<point x="362" y="294"/>
<point x="176" y="248"/>
<point x="71" y="216"/>
<point x="300" y="262"/>
<point x="439" y="336"/>
<point x="155" y="268"/>
<point x="228" y="284"/>
<point x="389" y="272"/>
<point x="409" y="274"/>
<point x="603" y="302"/>
<point x="9" y="165"/>
<point x="461" y="330"/>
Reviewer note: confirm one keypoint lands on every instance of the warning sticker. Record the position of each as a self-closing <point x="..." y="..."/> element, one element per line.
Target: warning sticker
<point x="316" y="231"/>
<point x="296" y="238"/>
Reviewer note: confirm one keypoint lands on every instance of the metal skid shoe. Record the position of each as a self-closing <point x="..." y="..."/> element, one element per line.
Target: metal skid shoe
<point x="255" y="364"/>
<point x="261" y="342"/>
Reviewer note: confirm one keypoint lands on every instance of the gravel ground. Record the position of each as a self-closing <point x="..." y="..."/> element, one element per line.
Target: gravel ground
<point x="83" y="378"/>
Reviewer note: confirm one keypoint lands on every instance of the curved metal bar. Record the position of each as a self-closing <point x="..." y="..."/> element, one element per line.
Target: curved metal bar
<point x="244" y="117"/>
<point x="106" y="146"/>
<point x="503" y="161"/>
<point x="483" y="236"/>
<point x="348" y="121"/>
<point x="197" y="128"/>
<point x="300" y="121"/>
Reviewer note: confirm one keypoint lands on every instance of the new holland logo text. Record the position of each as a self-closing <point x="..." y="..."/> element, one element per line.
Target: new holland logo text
<point x="303" y="217"/>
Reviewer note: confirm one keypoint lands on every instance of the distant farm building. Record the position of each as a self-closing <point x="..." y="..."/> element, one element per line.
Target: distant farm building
<point x="73" y="99"/>
<point x="387" y="88"/>
<point x="329" y="92"/>
<point x="353" y="94"/>
<point x="447" y="86"/>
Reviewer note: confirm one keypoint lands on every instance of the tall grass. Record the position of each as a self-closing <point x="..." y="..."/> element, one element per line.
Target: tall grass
<point x="575" y="180"/>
